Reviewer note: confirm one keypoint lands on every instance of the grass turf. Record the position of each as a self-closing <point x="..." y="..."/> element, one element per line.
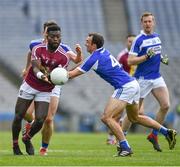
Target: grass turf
<point x="89" y="149"/>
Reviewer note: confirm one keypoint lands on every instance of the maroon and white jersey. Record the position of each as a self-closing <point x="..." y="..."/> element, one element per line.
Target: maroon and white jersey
<point x="122" y="58"/>
<point x="49" y="61"/>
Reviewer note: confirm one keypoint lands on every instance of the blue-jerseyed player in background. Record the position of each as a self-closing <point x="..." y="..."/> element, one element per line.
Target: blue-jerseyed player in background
<point x="126" y="93"/>
<point x="146" y="52"/>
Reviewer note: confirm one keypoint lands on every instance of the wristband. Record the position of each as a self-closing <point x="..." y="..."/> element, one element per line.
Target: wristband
<point x="39" y="75"/>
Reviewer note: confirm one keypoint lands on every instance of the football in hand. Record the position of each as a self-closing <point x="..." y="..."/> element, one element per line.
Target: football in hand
<point x="59" y="76"/>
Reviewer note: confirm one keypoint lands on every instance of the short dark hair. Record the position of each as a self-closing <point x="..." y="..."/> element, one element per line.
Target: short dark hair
<point x="53" y="28"/>
<point x="97" y="39"/>
<point x="49" y="23"/>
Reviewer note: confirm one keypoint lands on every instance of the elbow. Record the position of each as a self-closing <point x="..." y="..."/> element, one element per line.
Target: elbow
<point x="77" y="60"/>
<point x="130" y="62"/>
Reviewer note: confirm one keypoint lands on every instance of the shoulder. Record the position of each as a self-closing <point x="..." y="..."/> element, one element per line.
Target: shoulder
<point x="139" y="37"/>
<point x="38" y="47"/>
<point x="96" y="55"/>
<point x="122" y="53"/>
<point x="35" y="42"/>
<point x="100" y="53"/>
<point x="138" y="40"/>
<point x="65" y="47"/>
<point x="156" y="34"/>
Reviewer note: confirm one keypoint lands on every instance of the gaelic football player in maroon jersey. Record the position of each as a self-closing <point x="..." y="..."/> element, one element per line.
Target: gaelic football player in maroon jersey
<point x="38" y="87"/>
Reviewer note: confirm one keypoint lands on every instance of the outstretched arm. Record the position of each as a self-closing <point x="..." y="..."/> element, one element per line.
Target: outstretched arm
<point x="74" y="73"/>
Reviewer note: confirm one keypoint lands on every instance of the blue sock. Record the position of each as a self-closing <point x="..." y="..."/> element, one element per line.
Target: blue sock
<point x="44" y="145"/>
<point x="155" y="132"/>
<point x="163" y="130"/>
<point x="124" y="144"/>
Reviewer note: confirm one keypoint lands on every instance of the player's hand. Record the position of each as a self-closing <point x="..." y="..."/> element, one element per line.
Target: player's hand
<point x="43" y="76"/>
<point x="78" y="49"/>
<point x="46" y="79"/>
<point x="44" y="70"/>
<point x="79" y="57"/>
<point x="165" y="59"/>
<point x="150" y="53"/>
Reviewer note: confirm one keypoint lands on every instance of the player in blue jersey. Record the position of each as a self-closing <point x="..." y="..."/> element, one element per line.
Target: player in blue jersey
<point x="122" y="59"/>
<point x="126" y="93"/>
<point x="146" y="53"/>
<point x="47" y="129"/>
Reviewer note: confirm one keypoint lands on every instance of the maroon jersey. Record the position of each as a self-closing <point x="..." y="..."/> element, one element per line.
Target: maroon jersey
<point x="49" y="61"/>
<point x="122" y="58"/>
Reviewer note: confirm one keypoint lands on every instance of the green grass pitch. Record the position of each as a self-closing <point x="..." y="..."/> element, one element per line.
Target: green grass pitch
<point x="89" y="149"/>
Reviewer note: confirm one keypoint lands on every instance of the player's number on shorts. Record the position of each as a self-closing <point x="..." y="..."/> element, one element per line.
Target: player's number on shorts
<point x="114" y="62"/>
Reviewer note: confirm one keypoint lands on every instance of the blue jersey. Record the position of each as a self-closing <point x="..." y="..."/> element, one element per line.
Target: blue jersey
<point x="39" y="41"/>
<point x="107" y="67"/>
<point x="35" y="42"/>
<point x="149" y="69"/>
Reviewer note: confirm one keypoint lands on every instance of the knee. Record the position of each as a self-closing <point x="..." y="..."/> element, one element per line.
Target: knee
<point x="39" y="121"/>
<point x="133" y="119"/>
<point x="165" y="107"/>
<point x="104" y="119"/>
<point x="141" y="110"/>
<point x="48" y="120"/>
<point x="18" y="117"/>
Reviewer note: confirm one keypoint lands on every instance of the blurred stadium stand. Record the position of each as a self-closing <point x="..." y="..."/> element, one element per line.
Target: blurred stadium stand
<point x="21" y="21"/>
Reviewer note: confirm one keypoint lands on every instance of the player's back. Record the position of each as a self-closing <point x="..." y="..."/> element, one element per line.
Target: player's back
<point x="107" y="67"/>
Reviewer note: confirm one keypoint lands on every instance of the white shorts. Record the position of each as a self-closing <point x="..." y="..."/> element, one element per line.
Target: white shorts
<point x="130" y="92"/>
<point x="56" y="91"/>
<point x="146" y="86"/>
<point x="27" y="92"/>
